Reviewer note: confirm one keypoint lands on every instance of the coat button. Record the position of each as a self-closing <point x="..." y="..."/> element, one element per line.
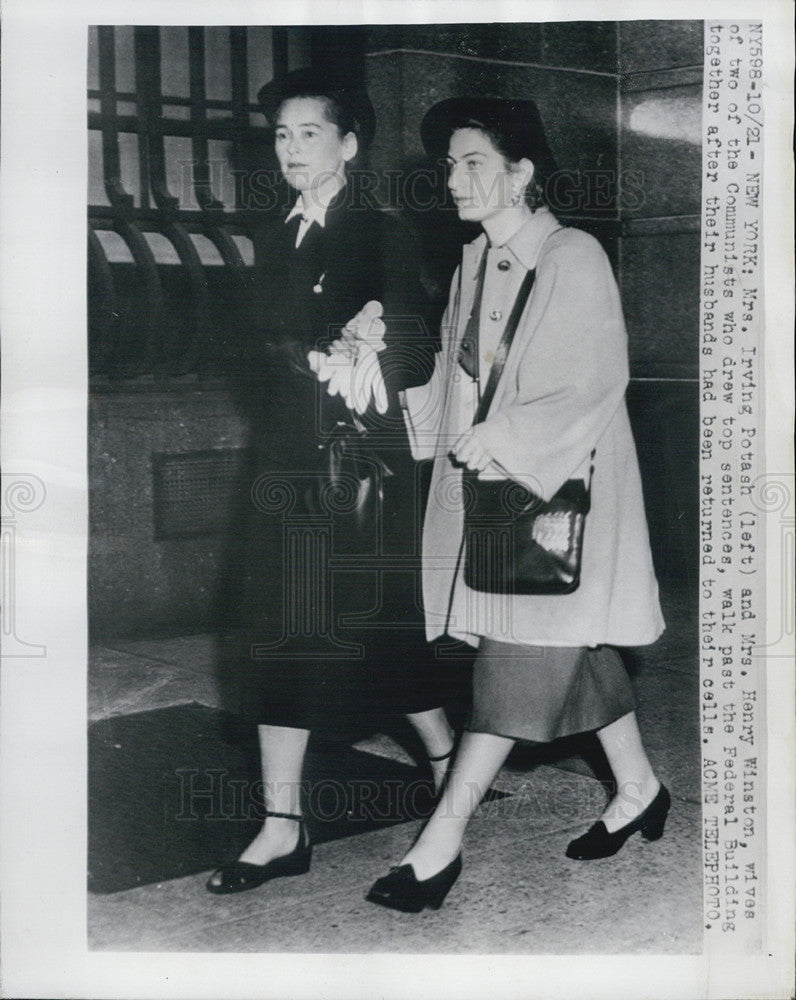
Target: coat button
<point x="495" y="314"/>
<point x="503" y="265"/>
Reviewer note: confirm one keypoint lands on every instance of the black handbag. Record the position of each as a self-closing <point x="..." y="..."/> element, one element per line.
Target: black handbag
<point x="515" y="542"/>
<point x="349" y="488"/>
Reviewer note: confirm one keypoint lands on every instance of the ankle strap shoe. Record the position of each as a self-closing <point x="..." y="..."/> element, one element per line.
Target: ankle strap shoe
<point x="240" y="876"/>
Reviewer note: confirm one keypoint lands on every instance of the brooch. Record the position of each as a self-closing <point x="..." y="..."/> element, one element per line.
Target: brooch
<point x="318" y="286"/>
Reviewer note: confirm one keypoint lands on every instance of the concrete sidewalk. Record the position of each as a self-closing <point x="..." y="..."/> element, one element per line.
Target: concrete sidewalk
<point x="517" y="893"/>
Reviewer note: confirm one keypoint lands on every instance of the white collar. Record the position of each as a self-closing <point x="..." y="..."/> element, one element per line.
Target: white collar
<point x="316" y="212"/>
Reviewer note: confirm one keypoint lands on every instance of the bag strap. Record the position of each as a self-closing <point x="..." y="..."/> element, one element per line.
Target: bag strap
<point x="503" y="347"/>
<point x="502" y="351"/>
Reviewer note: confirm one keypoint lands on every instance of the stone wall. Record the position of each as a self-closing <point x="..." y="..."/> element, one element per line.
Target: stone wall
<point x="139" y="585"/>
<point x="660" y="97"/>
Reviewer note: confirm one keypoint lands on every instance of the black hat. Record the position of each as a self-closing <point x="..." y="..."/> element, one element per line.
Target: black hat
<point x="312" y="82"/>
<point x="517" y="124"/>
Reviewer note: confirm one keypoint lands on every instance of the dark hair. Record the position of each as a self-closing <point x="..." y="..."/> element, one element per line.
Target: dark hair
<point x="506" y="143"/>
<point x="335" y="110"/>
<point x="345" y="101"/>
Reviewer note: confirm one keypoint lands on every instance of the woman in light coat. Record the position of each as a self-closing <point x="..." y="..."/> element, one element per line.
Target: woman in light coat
<point x="545" y="667"/>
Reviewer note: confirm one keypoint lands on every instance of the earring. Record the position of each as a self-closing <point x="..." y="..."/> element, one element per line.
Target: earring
<point x="516" y="198"/>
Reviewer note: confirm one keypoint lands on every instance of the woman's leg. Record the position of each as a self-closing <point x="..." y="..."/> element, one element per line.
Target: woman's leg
<point x="282" y="758"/>
<point x="435" y="731"/>
<point x="478" y="760"/>
<point x="636" y="784"/>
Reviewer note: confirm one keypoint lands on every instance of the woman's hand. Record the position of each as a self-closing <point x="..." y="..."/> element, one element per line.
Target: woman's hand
<point x="469" y="450"/>
<point x="354" y="375"/>
<point x="367" y="326"/>
<point x="335" y="368"/>
<point x="351" y="367"/>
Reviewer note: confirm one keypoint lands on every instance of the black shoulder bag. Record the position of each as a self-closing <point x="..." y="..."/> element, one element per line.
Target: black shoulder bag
<point x="515" y="542"/>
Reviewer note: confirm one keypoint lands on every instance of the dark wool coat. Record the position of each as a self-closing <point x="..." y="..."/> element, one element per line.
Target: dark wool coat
<point x="332" y="623"/>
<point x="301" y="299"/>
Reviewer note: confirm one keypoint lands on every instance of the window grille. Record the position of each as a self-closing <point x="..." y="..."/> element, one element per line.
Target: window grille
<point x="174" y="131"/>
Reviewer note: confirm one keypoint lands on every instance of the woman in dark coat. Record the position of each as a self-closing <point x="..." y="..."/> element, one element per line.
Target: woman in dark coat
<point x="329" y="630"/>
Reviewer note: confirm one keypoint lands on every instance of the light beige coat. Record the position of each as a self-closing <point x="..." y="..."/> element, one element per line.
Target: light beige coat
<point x="560" y="396"/>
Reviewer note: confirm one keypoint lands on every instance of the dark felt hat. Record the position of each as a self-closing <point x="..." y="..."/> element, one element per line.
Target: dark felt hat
<point x="312" y="82"/>
<point x="517" y="124"/>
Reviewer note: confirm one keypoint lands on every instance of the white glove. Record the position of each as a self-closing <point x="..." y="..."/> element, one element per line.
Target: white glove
<point x="367" y="326"/>
<point x="355" y="377"/>
<point x="368" y="381"/>
<point x="336" y="368"/>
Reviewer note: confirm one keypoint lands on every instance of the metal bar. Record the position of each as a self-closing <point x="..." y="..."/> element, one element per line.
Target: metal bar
<point x="102" y="335"/>
<point x="176" y="233"/>
<point x="194" y="221"/>
<point x="240" y="76"/>
<point x="212" y="129"/>
<point x="199" y="144"/>
<point x="147" y="56"/>
<point x="107" y="124"/>
<point x="220" y="237"/>
<point x="152" y="311"/>
<point x="183" y="102"/>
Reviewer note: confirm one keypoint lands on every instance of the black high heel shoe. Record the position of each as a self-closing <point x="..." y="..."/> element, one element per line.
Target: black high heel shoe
<point x="597" y="842"/>
<point x="401" y="890"/>
<point x="238" y="876"/>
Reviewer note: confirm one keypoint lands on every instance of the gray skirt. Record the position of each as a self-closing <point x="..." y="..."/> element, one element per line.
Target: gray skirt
<point x="540" y="693"/>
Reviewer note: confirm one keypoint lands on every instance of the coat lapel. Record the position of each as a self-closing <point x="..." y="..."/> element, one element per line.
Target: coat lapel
<point x="471" y="258"/>
<point x="528" y="246"/>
